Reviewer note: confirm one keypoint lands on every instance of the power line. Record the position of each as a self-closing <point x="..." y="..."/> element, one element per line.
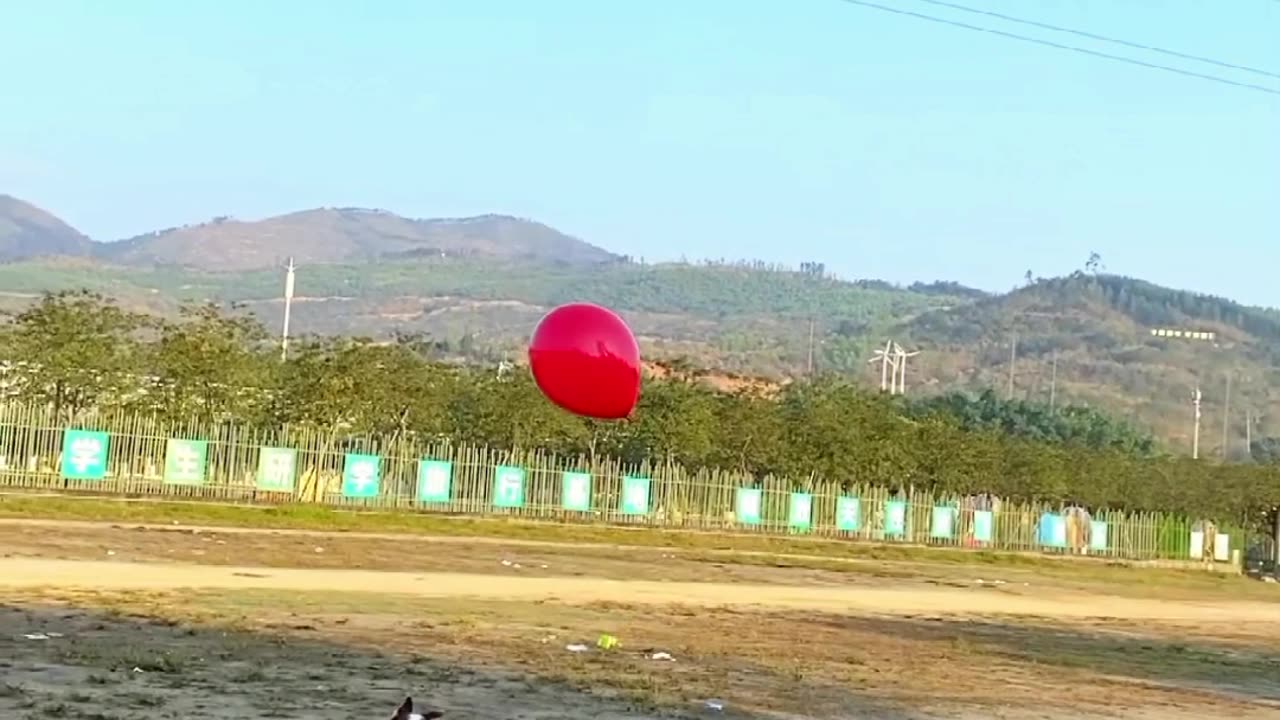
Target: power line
<point x="1103" y="38"/>
<point x="1060" y="46"/>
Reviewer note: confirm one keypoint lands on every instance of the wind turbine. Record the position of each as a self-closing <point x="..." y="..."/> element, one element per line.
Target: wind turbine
<point x="900" y="367"/>
<point x="887" y="360"/>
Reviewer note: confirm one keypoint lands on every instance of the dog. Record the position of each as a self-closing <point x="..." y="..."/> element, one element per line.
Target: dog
<point x="405" y="712"/>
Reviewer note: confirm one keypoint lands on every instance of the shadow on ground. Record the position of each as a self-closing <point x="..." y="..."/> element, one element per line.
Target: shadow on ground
<point x="1107" y="651"/>
<point x="299" y="662"/>
<point x="68" y="663"/>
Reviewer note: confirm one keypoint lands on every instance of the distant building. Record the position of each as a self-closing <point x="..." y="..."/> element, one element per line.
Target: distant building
<point x="1184" y="334"/>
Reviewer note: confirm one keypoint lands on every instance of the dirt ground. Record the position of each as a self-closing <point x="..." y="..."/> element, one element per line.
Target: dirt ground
<point x="113" y="622"/>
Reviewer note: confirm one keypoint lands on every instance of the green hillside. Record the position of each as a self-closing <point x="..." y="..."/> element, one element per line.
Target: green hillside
<point x="89" y="361"/>
<point x="1097" y="330"/>
<point x="745" y="319"/>
<point x="703" y="290"/>
<point x="1082" y="339"/>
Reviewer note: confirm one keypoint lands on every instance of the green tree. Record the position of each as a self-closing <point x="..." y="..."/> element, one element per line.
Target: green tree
<point x="360" y="387"/>
<point x="1071" y="425"/>
<point x="510" y="412"/>
<point x="81" y="352"/>
<point x="674" y="423"/>
<point x="211" y="365"/>
<point x="1265" y="450"/>
<point x="75" y="350"/>
<point x="749" y="434"/>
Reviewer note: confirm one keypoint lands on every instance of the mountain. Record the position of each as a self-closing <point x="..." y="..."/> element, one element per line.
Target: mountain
<point x="349" y="235"/>
<point x="27" y="231"/>
<point x="1079" y="340"/>
<point x="325" y="235"/>
<point x="477" y="287"/>
<point x="1134" y="348"/>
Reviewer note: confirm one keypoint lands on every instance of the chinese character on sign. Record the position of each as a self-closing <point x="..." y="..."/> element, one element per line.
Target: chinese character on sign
<point x="84" y="454"/>
<point x="895" y="518"/>
<point x="435" y="479"/>
<point x="360" y="475"/>
<point x="942" y="525"/>
<point x="508" y="487"/>
<point x="750" y="505"/>
<point x="184" y="461"/>
<point x="363" y="475"/>
<point x="436" y="482"/>
<point x="848" y="513"/>
<point x="276" y="469"/>
<point x="801" y="509"/>
<point x="635" y="496"/>
<point x="576" y="491"/>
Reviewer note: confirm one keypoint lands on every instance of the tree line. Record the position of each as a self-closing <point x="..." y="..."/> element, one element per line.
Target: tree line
<point x="77" y="351"/>
<point x="1157" y="306"/>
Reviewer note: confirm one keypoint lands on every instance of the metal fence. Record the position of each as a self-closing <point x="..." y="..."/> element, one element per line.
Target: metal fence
<point x="116" y="453"/>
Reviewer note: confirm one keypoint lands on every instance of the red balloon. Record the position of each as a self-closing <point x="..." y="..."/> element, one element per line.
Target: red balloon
<point x="585" y="359"/>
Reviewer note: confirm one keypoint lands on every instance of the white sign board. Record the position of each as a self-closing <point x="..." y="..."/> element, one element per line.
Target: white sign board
<point x="1222" y="548"/>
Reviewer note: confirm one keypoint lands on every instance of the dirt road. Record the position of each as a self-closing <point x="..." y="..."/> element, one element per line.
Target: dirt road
<point x="223" y="624"/>
<point x="989" y="602"/>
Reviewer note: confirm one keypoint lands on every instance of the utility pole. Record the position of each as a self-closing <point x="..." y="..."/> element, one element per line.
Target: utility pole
<point x="1248" y="432"/>
<point x="1195" y="432"/>
<point x="1013" y="360"/>
<point x="1226" y="417"/>
<point x="1053" y="383"/>
<point x="288" y="305"/>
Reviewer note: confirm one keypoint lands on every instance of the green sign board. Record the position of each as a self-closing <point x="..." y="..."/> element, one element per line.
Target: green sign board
<point x="277" y="469"/>
<point x="848" y="514"/>
<point x="508" y="486"/>
<point x="635" y="496"/>
<point x="748" y="506"/>
<point x="1097" y="535"/>
<point x="361" y="475"/>
<point x="435" y="481"/>
<point x="184" y="461"/>
<point x="1053" y="530"/>
<point x="984" y="522"/>
<point x="800" y="510"/>
<point x="84" y="454"/>
<point x="943" y="522"/>
<point x="575" y="491"/>
<point x="895" y="518"/>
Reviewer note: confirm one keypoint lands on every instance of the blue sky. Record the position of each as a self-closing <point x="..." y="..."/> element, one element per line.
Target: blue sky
<point x="787" y="130"/>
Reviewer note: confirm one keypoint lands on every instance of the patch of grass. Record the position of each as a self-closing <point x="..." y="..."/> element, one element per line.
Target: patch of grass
<point x="322" y="519"/>
<point x="57" y="709"/>
<point x="833" y="665"/>
<point x="884" y="561"/>
<point x="832" y="564"/>
<point x="1171" y="660"/>
<point x="143" y="700"/>
<point x="126" y="659"/>
<point x="9" y="690"/>
<point x="251" y="675"/>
